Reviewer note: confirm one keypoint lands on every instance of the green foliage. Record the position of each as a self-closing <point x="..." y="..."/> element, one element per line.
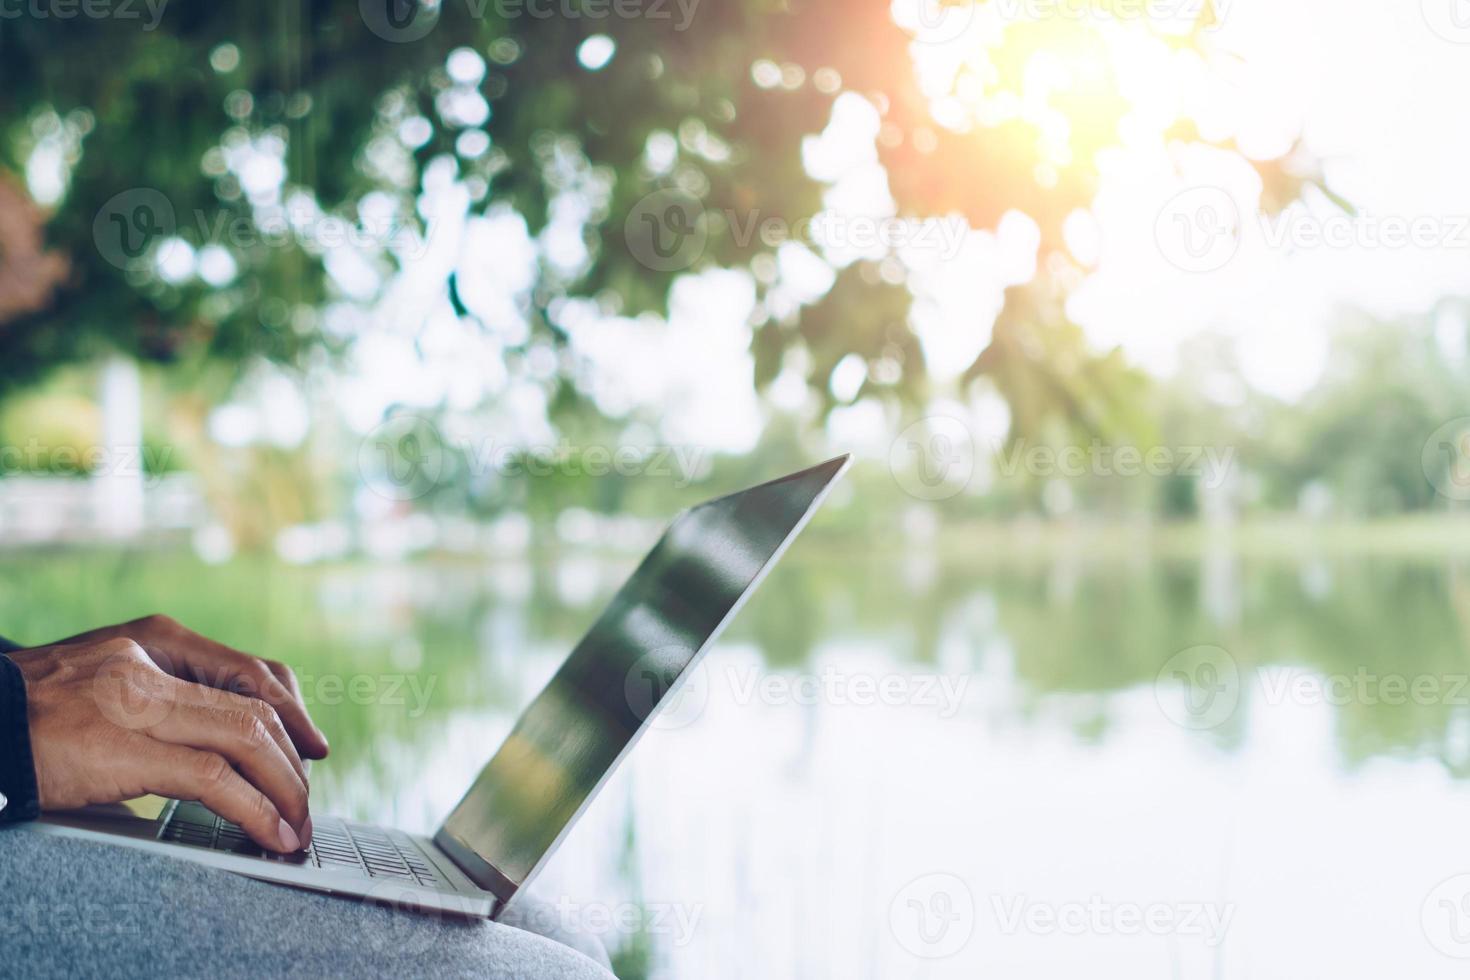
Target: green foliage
<point x="149" y="109"/>
<point x="1361" y="430"/>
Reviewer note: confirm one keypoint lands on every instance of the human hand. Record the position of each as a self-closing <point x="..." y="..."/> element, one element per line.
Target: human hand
<point x="181" y="652"/>
<point x="112" y="718"/>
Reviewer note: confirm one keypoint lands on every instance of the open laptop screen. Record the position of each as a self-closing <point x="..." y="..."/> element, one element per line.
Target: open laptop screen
<point x="575" y="731"/>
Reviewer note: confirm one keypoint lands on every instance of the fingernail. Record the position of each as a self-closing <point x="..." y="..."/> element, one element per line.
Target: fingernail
<point x="290" y="843"/>
<point x="306" y="833"/>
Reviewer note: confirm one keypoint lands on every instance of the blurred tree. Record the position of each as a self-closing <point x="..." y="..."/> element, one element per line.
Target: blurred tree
<point x="259" y="123"/>
<point x="1359" y="433"/>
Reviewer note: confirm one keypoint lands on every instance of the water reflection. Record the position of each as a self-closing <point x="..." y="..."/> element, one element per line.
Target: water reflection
<point x="792" y="828"/>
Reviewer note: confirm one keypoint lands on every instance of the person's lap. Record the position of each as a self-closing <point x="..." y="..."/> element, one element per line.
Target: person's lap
<point x="71" y="907"/>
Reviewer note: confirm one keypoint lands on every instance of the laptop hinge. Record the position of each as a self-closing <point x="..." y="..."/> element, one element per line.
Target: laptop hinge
<point x="476" y="868"/>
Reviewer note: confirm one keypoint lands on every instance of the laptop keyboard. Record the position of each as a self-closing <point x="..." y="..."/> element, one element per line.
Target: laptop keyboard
<point x="336" y="845"/>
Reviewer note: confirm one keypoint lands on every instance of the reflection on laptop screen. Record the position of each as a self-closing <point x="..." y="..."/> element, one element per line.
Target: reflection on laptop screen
<point x="573" y="733"/>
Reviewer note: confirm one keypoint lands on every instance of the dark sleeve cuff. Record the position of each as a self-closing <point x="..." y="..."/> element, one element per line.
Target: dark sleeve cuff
<point x="17" y="765"/>
<point x="7" y="647"/>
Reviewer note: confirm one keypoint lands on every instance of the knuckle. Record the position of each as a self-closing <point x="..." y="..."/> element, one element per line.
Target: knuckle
<point x="250" y="729"/>
<point x="123" y="650"/>
<point x="261" y="712"/>
<point x="213" y="770"/>
<point x="253" y="676"/>
<point x="154" y="621"/>
<point x="272" y="725"/>
<point x="265" y="683"/>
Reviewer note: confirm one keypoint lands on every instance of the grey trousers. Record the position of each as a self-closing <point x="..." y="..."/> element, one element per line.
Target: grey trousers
<point x="73" y="908"/>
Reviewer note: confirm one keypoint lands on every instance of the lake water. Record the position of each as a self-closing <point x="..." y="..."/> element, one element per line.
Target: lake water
<point x="899" y="766"/>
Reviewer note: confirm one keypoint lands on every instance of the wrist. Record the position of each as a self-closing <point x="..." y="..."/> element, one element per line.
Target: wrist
<point x="17" y="762"/>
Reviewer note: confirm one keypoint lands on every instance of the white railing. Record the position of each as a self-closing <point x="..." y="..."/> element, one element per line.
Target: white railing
<point x="42" y="509"/>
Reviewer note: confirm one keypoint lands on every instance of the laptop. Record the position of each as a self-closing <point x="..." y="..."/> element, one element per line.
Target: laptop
<point x="560" y="752"/>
